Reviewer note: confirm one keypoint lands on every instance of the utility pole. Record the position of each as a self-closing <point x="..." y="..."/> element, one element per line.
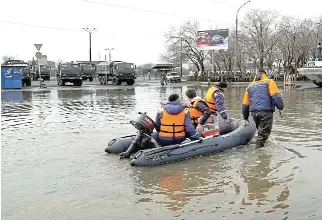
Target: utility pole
<point x="236" y="35"/>
<point x="181" y="57"/>
<point x="40" y="61"/>
<point x="212" y="65"/>
<point x="109" y="54"/>
<point x="90" y="31"/>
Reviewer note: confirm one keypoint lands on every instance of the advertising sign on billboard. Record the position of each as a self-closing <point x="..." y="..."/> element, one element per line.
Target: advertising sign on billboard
<point x="213" y="39"/>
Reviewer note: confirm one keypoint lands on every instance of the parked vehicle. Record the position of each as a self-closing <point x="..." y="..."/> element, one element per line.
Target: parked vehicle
<point x="88" y="71"/>
<point x="116" y="72"/>
<point x="69" y="72"/>
<point x="173" y="77"/>
<point x="44" y="71"/>
<point x="313" y="69"/>
<point x="163" y="70"/>
<point x="26" y="76"/>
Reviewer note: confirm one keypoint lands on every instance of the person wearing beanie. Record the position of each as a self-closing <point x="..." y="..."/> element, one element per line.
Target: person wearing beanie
<point x="173" y="124"/>
<point x="198" y="110"/>
<point x="215" y="100"/>
<point x="260" y="98"/>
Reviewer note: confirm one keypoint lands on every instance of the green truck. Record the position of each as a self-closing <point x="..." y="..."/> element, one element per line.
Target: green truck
<point x="26" y="76"/>
<point x="116" y="72"/>
<point x="69" y="72"/>
<point x="44" y="71"/>
<point x="88" y="71"/>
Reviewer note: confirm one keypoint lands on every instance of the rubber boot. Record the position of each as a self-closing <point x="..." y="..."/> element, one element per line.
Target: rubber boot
<point x="260" y="143"/>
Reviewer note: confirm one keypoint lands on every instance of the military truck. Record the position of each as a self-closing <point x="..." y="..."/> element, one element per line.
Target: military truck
<point x="116" y="72"/>
<point x="26" y="76"/>
<point x="44" y="71"/>
<point x="88" y="71"/>
<point x="69" y="72"/>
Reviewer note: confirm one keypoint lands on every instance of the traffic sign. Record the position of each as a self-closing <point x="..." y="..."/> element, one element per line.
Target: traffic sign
<point x="38" y="46"/>
<point x="42" y="61"/>
<point x="38" y="55"/>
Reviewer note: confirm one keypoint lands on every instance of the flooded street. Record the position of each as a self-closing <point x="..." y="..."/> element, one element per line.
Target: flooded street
<point x="54" y="165"/>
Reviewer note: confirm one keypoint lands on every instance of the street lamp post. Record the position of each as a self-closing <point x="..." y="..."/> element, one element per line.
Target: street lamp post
<point x="236" y="35"/>
<point x="109" y="54"/>
<point x="181" y="57"/>
<point x="90" y="31"/>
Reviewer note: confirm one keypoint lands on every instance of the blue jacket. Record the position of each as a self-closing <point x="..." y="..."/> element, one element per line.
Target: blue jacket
<point x="262" y="95"/>
<point x="219" y="100"/>
<point x="191" y="132"/>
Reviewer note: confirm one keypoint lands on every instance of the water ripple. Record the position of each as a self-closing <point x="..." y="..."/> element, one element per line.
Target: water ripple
<point x="53" y="167"/>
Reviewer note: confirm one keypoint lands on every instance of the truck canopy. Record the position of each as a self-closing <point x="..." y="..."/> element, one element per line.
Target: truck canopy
<point x="164" y="66"/>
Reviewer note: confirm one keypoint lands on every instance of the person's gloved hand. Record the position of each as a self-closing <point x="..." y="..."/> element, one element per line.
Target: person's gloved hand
<point x="224" y="115"/>
<point x="227" y="120"/>
<point x="281" y="113"/>
<point x="199" y="128"/>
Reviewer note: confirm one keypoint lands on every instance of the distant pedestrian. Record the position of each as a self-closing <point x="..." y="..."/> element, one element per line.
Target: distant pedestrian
<point x="149" y="75"/>
<point x="196" y="75"/>
<point x="319" y="52"/>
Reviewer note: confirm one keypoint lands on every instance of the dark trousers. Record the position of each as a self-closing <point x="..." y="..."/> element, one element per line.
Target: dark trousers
<point x="264" y="124"/>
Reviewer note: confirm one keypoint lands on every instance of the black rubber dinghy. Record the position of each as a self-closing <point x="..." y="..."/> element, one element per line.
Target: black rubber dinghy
<point x="236" y="133"/>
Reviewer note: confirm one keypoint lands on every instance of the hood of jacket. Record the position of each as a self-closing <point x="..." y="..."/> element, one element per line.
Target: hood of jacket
<point x="260" y="76"/>
<point x="173" y="108"/>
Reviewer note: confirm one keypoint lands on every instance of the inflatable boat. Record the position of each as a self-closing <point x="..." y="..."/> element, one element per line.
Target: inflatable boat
<point x="233" y="134"/>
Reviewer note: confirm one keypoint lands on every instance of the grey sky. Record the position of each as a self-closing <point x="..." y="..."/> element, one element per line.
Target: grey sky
<point x="137" y="36"/>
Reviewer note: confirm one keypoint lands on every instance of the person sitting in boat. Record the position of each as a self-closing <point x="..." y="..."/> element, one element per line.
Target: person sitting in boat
<point x="173" y="124"/>
<point x="260" y="98"/>
<point x="198" y="110"/>
<point x="215" y="100"/>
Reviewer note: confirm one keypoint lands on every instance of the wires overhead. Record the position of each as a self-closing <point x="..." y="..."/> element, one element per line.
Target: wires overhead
<point x="225" y="3"/>
<point x="68" y="29"/>
<point x="41" y="26"/>
<point x="149" y="11"/>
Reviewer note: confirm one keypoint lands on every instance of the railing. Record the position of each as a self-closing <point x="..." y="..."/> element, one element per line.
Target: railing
<point x="289" y="80"/>
<point x="244" y="77"/>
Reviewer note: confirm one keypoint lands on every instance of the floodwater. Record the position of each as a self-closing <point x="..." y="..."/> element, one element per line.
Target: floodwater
<point x="54" y="165"/>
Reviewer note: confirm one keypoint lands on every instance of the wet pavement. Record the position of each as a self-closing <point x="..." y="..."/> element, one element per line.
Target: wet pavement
<point x="54" y="165"/>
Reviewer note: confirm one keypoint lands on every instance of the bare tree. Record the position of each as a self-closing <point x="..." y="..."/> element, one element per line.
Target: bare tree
<point x="59" y="61"/>
<point x="265" y="41"/>
<point x="225" y="58"/>
<point x="260" y="32"/>
<point x="182" y="42"/>
<point x="297" y="41"/>
<point x="145" y="68"/>
<point x="6" y="58"/>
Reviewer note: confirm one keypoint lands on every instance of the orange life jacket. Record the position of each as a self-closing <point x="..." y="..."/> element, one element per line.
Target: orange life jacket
<point x="172" y="125"/>
<point x="209" y="99"/>
<point x="194" y="113"/>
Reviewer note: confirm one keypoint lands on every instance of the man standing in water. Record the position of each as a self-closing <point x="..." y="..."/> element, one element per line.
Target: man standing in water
<point x="261" y="98"/>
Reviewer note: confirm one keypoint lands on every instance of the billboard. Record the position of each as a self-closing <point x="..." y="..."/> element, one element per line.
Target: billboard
<point x="213" y="39"/>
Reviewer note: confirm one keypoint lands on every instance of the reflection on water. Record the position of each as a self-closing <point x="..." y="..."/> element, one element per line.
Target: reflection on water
<point x="179" y="184"/>
<point x="256" y="178"/>
<point x="53" y="167"/>
<point x="16" y="96"/>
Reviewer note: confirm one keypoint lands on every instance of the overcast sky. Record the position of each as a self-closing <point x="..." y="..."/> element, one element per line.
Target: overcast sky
<point x="137" y="36"/>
